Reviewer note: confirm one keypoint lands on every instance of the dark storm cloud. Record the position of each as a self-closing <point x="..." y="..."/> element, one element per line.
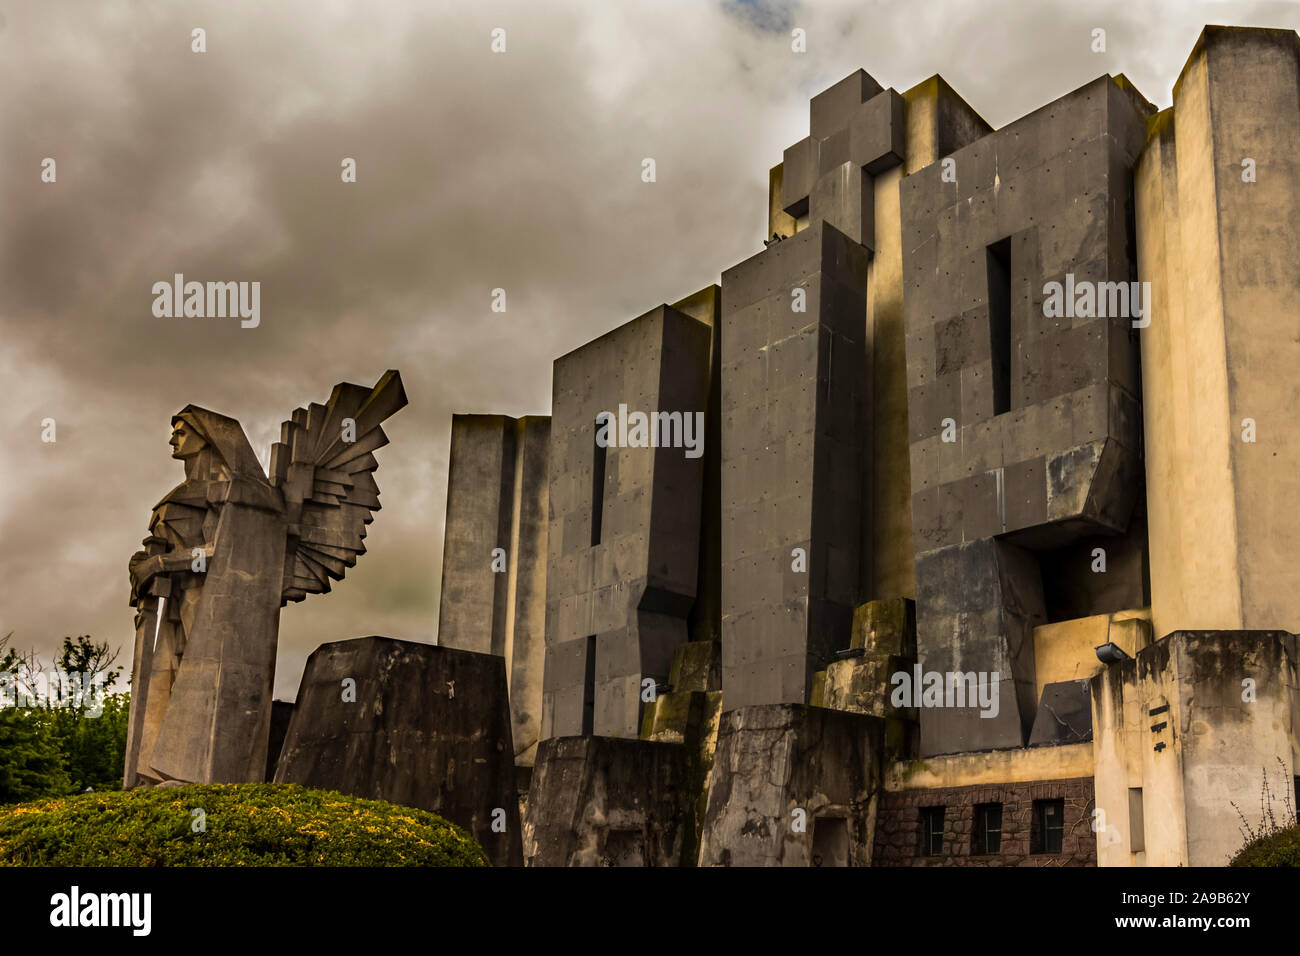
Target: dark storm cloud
<point x="476" y="171"/>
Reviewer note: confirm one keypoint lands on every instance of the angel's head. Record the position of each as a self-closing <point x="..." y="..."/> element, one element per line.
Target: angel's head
<point x="212" y="447"/>
<point x="186" y="442"/>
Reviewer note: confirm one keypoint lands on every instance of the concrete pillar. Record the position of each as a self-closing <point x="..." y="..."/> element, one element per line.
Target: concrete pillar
<point x="1223" y="345"/>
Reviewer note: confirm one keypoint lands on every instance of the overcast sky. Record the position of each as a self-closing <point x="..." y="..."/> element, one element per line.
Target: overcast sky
<point x="476" y="170"/>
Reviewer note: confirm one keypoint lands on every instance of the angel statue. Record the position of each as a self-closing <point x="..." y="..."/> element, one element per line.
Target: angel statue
<point x="227" y="548"/>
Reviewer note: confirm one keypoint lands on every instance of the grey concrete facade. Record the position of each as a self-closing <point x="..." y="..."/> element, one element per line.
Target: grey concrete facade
<point x="494" y="555"/>
<point x="623" y="541"/>
<point x="596" y="801"/>
<point x="1042" y="415"/>
<point x="793" y="385"/>
<point x="915" y="464"/>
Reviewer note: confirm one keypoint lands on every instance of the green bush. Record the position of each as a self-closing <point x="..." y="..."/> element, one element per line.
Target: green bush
<point x="242" y="825"/>
<point x="1281" y="848"/>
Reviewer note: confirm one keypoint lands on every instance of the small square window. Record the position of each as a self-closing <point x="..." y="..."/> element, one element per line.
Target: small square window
<point x="1048" y="827"/>
<point x="931" y="831"/>
<point x="986" y="834"/>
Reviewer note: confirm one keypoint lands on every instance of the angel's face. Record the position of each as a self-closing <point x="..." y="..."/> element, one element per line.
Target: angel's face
<point x="186" y="442"/>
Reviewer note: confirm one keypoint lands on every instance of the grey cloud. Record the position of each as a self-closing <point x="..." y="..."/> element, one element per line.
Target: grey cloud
<point x="476" y="171"/>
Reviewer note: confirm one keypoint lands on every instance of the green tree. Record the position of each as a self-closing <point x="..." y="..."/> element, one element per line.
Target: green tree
<point x="91" y="733"/>
<point x="31" y="764"/>
<point x="54" y="748"/>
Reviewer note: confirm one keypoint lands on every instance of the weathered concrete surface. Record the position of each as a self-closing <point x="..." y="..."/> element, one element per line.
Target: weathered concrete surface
<point x="1043" y="412"/>
<point x="1223" y="344"/>
<point x="598" y="801"/>
<point x="688" y="714"/>
<point x="705" y="621"/>
<point x="494" y="601"/>
<point x="1064" y="714"/>
<point x="480" y="489"/>
<point x="999" y="766"/>
<point x="885" y="634"/>
<point x="774" y="760"/>
<point x="1195" y="722"/>
<point x="429" y="727"/>
<point x="845" y="176"/>
<point x="1067" y="650"/>
<point x="623" y="545"/>
<point x="792" y="395"/>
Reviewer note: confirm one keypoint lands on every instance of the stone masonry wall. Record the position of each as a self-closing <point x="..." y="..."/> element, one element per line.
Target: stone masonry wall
<point x="898" y="824"/>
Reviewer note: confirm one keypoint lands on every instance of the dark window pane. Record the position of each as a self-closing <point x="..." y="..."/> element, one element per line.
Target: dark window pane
<point x="1048" y="826"/>
<point x="986" y="834"/>
<point x="931" y="831"/>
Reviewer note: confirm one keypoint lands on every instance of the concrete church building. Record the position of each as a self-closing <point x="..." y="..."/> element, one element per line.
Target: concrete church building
<point x="985" y="552"/>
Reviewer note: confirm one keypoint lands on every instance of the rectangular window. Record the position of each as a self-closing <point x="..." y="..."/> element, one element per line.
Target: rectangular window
<point x="589" y="691"/>
<point x="931" y="831"/>
<point x="1137" y="841"/>
<point x="597" y="486"/>
<point x="998" y="258"/>
<point x="986" y="835"/>
<point x="1048" y="826"/>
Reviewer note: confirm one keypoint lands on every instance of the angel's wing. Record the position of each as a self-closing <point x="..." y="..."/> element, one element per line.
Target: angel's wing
<point x="324" y="467"/>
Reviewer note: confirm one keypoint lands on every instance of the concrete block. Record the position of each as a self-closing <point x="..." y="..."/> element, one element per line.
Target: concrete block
<point x="429" y="727"/>
<point x="831" y="110"/>
<point x="596" y="801"/>
<point x="773" y="760"/>
<point x="1064" y="714"/>
<point x="878" y="133"/>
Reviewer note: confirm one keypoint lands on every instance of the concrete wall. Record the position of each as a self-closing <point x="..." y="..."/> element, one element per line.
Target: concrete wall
<point x="985" y="769"/>
<point x="1067" y="650"/>
<point x="1224" y="339"/>
<point x="793" y="387"/>
<point x="705" y="622"/>
<point x="1195" y="722"/>
<point x="497" y="498"/>
<point x="772" y="761"/>
<point x="1062" y="460"/>
<point x="633" y="592"/>
<point x="889" y="135"/>
<point x="601" y="802"/>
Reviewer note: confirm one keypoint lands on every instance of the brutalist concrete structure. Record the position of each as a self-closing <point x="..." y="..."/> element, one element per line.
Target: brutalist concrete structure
<point x="412" y="724"/>
<point x="623" y="545"/>
<point x="793" y="377"/>
<point x="793" y="786"/>
<point x="989" y="557"/>
<point x="1024" y="428"/>
<point x="607" y="802"/>
<point x="1180" y="732"/>
<point x="494" y="556"/>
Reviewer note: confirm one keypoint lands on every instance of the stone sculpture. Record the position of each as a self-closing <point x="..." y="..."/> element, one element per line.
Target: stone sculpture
<point x="227" y="548"/>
